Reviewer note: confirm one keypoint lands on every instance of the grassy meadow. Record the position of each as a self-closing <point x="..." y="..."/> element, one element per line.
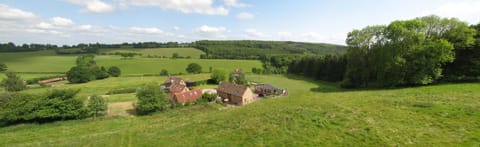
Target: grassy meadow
<point x="167" y="52"/>
<point x="48" y="61"/>
<point x="314" y="113"/>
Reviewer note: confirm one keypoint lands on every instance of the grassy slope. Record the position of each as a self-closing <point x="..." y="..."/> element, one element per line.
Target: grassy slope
<point x="47" y="61"/>
<point x="194" y="53"/>
<point x="313" y="113"/>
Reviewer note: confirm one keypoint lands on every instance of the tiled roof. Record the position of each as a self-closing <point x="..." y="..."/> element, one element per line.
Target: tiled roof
<point x="233" y="89"/>
<point x="176" y="88"/>
<point x="173" y="80"/>
<point x="189" y="96"/>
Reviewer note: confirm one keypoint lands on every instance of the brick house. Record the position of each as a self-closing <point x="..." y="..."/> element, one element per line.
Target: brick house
<point x="174" y="85"/>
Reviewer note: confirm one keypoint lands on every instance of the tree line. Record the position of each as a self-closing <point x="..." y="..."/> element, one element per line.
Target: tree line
<point x="249" y="49"/>
<point x="419" y="51"/>
<point x="86" y="48"/>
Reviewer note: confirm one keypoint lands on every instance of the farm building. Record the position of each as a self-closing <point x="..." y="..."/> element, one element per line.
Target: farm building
<point x="188" y="96"/>
<point x="235" y="94"/>
<point x="174" y="85"/>
<point x="267" y="89"/>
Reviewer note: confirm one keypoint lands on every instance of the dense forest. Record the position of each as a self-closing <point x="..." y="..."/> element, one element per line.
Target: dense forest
<point x="249" y="49"/>
<point x="11" y="47"/>
<point x="420" y="51"/>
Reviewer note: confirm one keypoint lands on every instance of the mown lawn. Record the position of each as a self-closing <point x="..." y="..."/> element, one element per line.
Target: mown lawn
<point x="314" y="113"/>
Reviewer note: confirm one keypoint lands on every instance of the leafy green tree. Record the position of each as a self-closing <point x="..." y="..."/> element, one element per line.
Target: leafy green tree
<point x="410" y="52"/>
<point x="218" y="75"/>
<point x="150" y="99"/>
<point x="97" y="106"/>
<point x="13" y="83"/>
<point x="100" y="73"/>
<point x="114" y="71"/>
<point x="237" y="77"/>
<point x="194" y="68"/>
<point x="80" y="74"/>
<point x="175" y="55"/>
<point x="164" y="72"/>
<point x="3" y="67"/>
<point x="86" y="60"/>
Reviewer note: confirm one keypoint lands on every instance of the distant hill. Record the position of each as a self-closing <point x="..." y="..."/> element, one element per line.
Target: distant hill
<point x="249" y="49"/>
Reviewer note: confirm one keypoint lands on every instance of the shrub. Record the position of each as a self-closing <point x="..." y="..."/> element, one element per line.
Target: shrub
<point x="97" y="106"/>
<point x="194" y="68"/>
<point x="114" y="71"/>
<point x="80" y="74"/>
<point x="13" y="83"/>
<point x="218" y="75"/>
<point x="209" y="97"/>
<point x="3" y="67"/>
<point x="150" y="99"/>
<point x="100" y="73"/>
<point x="164" y="72"/>
<point x="50" y="106"/>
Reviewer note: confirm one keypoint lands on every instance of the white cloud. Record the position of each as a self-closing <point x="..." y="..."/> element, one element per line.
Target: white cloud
<point x="59" y="21"/>
<point x="254" y="34"/>
<point x="44" y="25"/>
<point x="245" y="16"/>
<point x="235" y="3"/>
<point x="9" y="13"/>
<point x="184" y="6"/>
<point x="147" y="30"/>
<point x="176" y="28"/>
<point x="94" y="6"/>
<point x="211" y="32"/>
<point x="85" y="27"/>
<point x="467" y="11"/>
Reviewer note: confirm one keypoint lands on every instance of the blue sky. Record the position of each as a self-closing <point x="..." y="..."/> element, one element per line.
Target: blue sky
<point x="117" y="21"/>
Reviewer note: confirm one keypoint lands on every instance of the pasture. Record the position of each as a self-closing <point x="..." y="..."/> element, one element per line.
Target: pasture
<point x="314" y="113"/>
<point x="167" y="52"/>
<point x="48" y="62"/>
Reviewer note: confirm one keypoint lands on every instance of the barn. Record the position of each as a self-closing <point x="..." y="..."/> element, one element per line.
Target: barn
<point x="235" y="94"/>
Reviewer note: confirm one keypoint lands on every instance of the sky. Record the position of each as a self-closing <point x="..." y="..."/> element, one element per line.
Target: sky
<point x="117" y="21"/>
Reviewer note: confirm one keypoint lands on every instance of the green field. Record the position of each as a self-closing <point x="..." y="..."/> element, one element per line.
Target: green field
<point x="314" y="113"/>
<point x="47" y="61"/>
<point x="167" y="52"/>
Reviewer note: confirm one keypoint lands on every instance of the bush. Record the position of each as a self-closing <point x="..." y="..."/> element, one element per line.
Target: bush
<point x="100" y="73"/>
<point x="218" y="75"/>
<point x="114" y="71"/>
<point x="3" y="67"/>
<point x="97" y="106"/>
<point x="150" y="99"/>
<point x="209" y="97"/>
<point x="80" y="74"/>
<point x="13" y="83"/>
<point x="50" y="106"/>
<point x="164" y="72"/>
<point x="194" y="68"/>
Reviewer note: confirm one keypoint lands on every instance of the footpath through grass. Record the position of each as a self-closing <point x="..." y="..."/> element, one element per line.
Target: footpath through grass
<point x="313" y="114"/>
